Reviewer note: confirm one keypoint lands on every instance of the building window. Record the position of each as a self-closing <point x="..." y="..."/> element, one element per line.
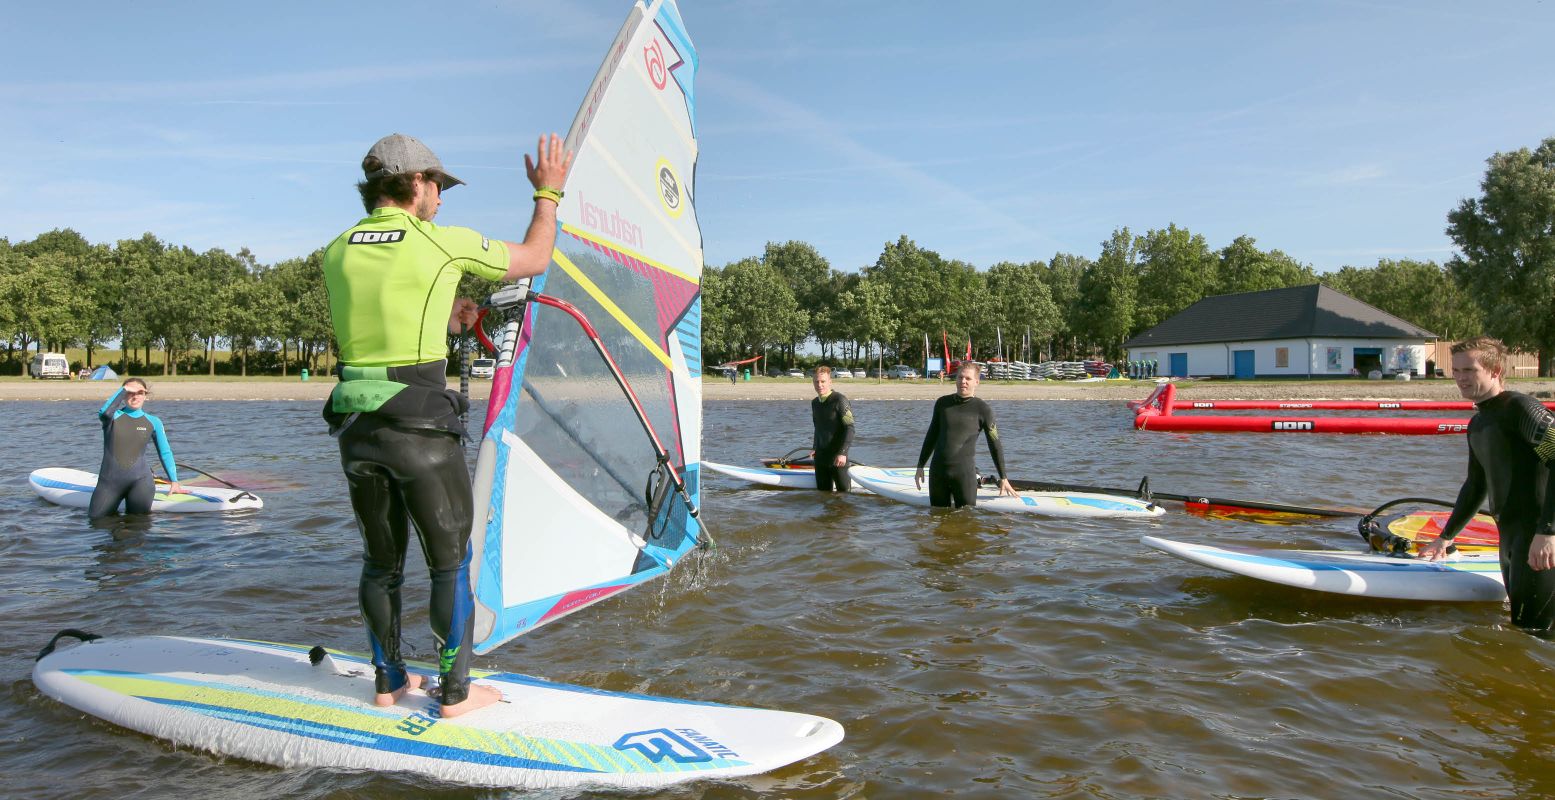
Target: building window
<point x="1282" y="357"/>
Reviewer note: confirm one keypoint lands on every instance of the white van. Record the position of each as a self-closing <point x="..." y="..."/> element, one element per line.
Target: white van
<point x="483" y="368"/>
<point x="50" y="365"/>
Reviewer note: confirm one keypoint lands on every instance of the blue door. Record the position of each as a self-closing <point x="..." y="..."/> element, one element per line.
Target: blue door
<point x="1242" y="362"/>
<point x="1177" y="365"/>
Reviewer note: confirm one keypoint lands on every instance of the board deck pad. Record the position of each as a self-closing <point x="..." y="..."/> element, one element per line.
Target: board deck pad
<point x="72" y="488"/>
<point x="900" y="485"/>
<point x="267" y="702"/>
<point x="1464" y="577"/>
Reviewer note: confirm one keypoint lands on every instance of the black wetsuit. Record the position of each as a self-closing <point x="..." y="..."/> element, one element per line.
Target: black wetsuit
<point x="952" y="439"/>
<point x="833" y="418"/>
<point x="125" y="476"/>
<point x="404" y="463"/>
<point x="1511" y="442"/>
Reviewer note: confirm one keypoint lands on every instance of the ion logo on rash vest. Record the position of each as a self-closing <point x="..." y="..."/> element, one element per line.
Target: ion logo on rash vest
<point x="1292" y="425"/>
<point x="683" y="746"/>
<point x="376" y="237"/>
<point x="670" y="193"/>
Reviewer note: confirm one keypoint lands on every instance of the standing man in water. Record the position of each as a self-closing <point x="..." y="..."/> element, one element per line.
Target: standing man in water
<point x="1511" y="445"/>
<point x="833" y="418"/>
<point x="952" y="439"/>
<point x="391" y="280"/>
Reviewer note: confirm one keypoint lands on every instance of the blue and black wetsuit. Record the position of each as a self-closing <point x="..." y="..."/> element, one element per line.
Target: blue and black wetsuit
<point x="952" y="439"/>
<point x="125" y="476"/>
<point x="833" y="418"/>
<point x="1511" y="445"/>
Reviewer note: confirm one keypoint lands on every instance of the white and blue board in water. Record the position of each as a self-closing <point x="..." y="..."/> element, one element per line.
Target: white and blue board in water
<point x="899" y="484"/>
<point x="800" y="477"/>
<point x="1464" y="577"/>
<point x="73" y="488"/>
<point x="268" y="703"/>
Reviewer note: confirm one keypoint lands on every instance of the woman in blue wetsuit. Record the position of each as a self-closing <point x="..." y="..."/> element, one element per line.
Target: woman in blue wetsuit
<point x="125" y="476"/>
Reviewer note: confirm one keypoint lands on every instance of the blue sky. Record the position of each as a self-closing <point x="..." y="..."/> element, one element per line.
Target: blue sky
<point x="1340" y="132"/>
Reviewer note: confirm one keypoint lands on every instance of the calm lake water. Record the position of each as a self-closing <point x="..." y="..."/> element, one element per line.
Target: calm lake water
<point x="966" y="654"/>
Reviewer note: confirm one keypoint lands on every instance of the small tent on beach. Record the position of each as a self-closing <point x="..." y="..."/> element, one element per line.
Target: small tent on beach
<point x="104" y="373"/>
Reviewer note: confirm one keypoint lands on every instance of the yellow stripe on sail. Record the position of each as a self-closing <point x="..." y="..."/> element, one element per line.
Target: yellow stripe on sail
<point x="606" y="243"/>
<point x="615" y="310"/>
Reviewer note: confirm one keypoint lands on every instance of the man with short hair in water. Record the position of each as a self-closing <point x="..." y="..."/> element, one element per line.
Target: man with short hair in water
<point x="952" y="439"/>
<point x="1511" y="445"/>
<point x="125" y="475"/>
<point x="833" y="419"/>
<point x="391" y="280"/>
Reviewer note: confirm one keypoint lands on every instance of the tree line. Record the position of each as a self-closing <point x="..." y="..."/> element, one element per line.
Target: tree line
<point x="1074" y="306"/>
<point x="59" y="291"/>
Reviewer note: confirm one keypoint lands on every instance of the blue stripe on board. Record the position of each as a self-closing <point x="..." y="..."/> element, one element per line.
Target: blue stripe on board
<point x="368" y="739"/>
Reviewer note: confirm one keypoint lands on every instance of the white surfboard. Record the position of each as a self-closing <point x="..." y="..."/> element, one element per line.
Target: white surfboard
<point x="268" y="703"/>
<point x="780" y="477"/>
<point x="1466" y="576"/>
<point x="73" y="488"/>
<point x="899" y="484"/>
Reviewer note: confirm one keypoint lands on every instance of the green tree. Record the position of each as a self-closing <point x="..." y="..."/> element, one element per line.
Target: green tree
<point x="1506" y="238"/>
<point x="808" y="275"/>
<point x="1245" y="268"/>
<point x="42" y="304"/>
<point x="870" y="315"/>
<point x="1421" y="292"/>
<point x="1021" y="302"/>
<point x="1107" y="295"/>
<point x="1176" y="270"/>
<point x="761" y="310"/>
<point x="1062" y="278"/>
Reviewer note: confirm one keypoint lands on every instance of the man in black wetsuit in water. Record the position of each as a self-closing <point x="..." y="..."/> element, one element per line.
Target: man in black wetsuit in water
<point x="833" y="418"/>
<point x="1511" y="444"/>
<point x="952" y="439"/>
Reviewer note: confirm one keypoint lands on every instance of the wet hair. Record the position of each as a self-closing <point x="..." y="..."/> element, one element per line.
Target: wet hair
<point x="819" y="371"/>
<point x="976" y="368"/>
<point x="400" y="188"/>
<point x="1490" y="352"/>
<point x="128" y="381"/>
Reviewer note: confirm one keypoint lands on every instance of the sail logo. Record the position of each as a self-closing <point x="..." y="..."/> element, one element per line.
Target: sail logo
<point x="376" y="237"/>
<point x="610" y="223"/>
<point x="677" y="746"/>
<point x="653" y="61"/>
<point x="671" y="192"/>
<point x="1292" y="425"/>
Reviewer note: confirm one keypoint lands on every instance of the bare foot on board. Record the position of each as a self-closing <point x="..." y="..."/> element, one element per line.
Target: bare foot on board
<point x="412" y="681"/>
<point x="480" y="696"/>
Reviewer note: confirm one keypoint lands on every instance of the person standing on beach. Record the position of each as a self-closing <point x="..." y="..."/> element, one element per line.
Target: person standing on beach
<point x="952" y="440"/>
<point x="125" y="475"/>
<point x="833" y="418"/>
<point x="1511" y="445"/>
<point x="391" y="280"/>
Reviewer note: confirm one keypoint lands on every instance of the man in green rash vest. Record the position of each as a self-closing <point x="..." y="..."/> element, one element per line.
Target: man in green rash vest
<point x="391" y="280"/>
<point x="952" y="440"/>
<point x="1511" y="448"/>
<point x="832" y="416"/>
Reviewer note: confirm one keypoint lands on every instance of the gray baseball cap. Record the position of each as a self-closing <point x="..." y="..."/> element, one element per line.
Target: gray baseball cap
<point x="401" y="155"/>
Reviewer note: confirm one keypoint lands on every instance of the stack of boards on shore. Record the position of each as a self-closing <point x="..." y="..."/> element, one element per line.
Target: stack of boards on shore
<point x="899" y="484"/>
<point x="294" y="706"/>
<point x="73" y="488"/>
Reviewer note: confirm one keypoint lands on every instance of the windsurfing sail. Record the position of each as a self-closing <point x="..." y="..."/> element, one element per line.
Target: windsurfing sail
<point x="575" y="501"/>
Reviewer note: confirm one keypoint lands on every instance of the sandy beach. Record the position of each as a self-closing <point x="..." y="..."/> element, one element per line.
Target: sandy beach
<point x="794" y="389"/>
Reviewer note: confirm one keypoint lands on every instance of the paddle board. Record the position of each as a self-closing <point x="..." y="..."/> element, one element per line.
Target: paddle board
<point x="73" y="488"/>
<point x="898" y="484"/>
<point x="1466" y="576"/>
<point x="269" y="703"/>
<point x="793" y="477"/>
